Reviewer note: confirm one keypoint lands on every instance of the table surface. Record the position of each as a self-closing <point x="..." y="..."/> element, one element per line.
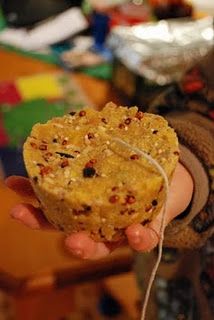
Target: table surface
<point x="26" y="254"/>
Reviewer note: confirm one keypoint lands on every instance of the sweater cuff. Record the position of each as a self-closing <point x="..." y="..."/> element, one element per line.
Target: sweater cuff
<point x="180" y="233"/>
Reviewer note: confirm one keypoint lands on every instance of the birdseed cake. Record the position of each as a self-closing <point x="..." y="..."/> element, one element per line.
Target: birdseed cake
<point x="86" y="180"/>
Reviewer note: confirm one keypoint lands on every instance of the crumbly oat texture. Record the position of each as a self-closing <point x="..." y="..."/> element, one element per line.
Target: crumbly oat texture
<point x="86" y="181"/>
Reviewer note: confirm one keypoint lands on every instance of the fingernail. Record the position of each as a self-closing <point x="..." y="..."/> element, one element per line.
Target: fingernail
<point x="77" y="252"/>
<point x="15" y="214"/>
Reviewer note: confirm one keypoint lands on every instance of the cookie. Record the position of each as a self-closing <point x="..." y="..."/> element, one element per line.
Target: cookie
<point x="85" y="179"/>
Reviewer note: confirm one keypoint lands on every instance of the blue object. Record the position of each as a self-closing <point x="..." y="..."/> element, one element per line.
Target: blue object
<point x="100" y="28"/>
<point x="12" y="161"/>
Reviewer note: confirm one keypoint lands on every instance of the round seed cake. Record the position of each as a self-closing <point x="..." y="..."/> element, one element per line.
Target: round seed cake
<point x="86" y="180"/>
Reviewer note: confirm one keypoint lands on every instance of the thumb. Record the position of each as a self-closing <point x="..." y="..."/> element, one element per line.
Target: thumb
<point x="145" y="238"/>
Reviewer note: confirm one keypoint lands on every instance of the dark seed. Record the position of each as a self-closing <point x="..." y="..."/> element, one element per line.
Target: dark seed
<point x="130" y="212"/>
<point x="122" y="212"/>
<point x="54" y="140"/>
<point x="104" y="120"/>
<point x="66" y="155"/>
<point x="72" y="113"/>
<point x="145" y="222"/>
<point x="155" y="131"/>
<point x="86" y="207"/>
<point x="60" y="227"/>
<point x="130" y="199"/>
<point x="35" y="179"/>
<point x="114" y="199"/>
<point x="176" y="153"/>
<point x="89" y="172"/>
<point x="41" y="165"/>
<point x="134" y="157"/>
<point x="90" y="135"/>
<point x="43" y="147"/>
<point x="115" y="189"/>
<point x="128" y="121"/>
<point x="121" y="126"/>
<point x="154" y="203"/>
<point x="82" y="113"/>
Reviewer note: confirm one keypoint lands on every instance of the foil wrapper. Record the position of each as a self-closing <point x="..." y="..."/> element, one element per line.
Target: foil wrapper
<point x="162" y="51"/>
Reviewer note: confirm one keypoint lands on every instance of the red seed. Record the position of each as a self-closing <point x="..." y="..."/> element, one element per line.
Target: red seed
<point x="64" y="163"/>
<point x="134" y="157"/>
<point x="47" y="155"/>
<point x="128" y="121"/>
<point x="43" y="147"/>
<point x="93" y="161"/>
<point x="114" y="199"/>
<point x="194" y="86"/>
<point x="90" y="163"/>
<point x="64" y="142"/>
<point x="82" y="113"/>
<point x="139" y="115"/>
<point x="130" y="199"/>
<point x="34" y="145"/>
<point x="161" y="188"/>
<point x="115" y="189"/>
<point x="45" y="170"/>
<point x="121" y="126"/>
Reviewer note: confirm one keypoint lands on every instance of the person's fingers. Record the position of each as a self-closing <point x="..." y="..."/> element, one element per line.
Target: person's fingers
<point x="145" y="238"/>
<point x="30" y="216"/>
<point x="20" y="185"/>
<point x="142" y="238"/>
<point x="82" y="246"/>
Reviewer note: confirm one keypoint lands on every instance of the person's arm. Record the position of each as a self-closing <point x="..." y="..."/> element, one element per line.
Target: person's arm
<point x="196" y="225"/>
<point x="191" y="106"/>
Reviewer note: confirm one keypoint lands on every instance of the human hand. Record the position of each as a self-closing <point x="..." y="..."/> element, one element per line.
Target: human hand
<point x="140" y="238"/>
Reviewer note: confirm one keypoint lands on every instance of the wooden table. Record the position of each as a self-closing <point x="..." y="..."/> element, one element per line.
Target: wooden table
<point x="35" y="260"/>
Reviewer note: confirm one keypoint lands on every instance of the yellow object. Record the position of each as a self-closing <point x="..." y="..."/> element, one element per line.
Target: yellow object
<point x="39" y="86"/>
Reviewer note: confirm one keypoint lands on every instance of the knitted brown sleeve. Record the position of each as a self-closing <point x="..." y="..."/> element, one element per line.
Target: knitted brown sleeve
<point x="196" y="135"/>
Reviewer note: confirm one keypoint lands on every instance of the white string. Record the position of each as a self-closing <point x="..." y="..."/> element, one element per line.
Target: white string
<point x="163" y="218"/>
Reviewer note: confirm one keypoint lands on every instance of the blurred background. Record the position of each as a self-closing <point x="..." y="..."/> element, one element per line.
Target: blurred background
<point x="57" y="56"/>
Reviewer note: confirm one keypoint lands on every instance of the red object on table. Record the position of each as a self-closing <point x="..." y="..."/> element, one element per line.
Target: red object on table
<point x="129" y="14"/>
<point x="4" y="140"/>
<point x="9" y="93"/>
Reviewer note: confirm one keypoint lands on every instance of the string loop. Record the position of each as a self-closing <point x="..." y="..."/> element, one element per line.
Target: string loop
<point x="163" y="218"/>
